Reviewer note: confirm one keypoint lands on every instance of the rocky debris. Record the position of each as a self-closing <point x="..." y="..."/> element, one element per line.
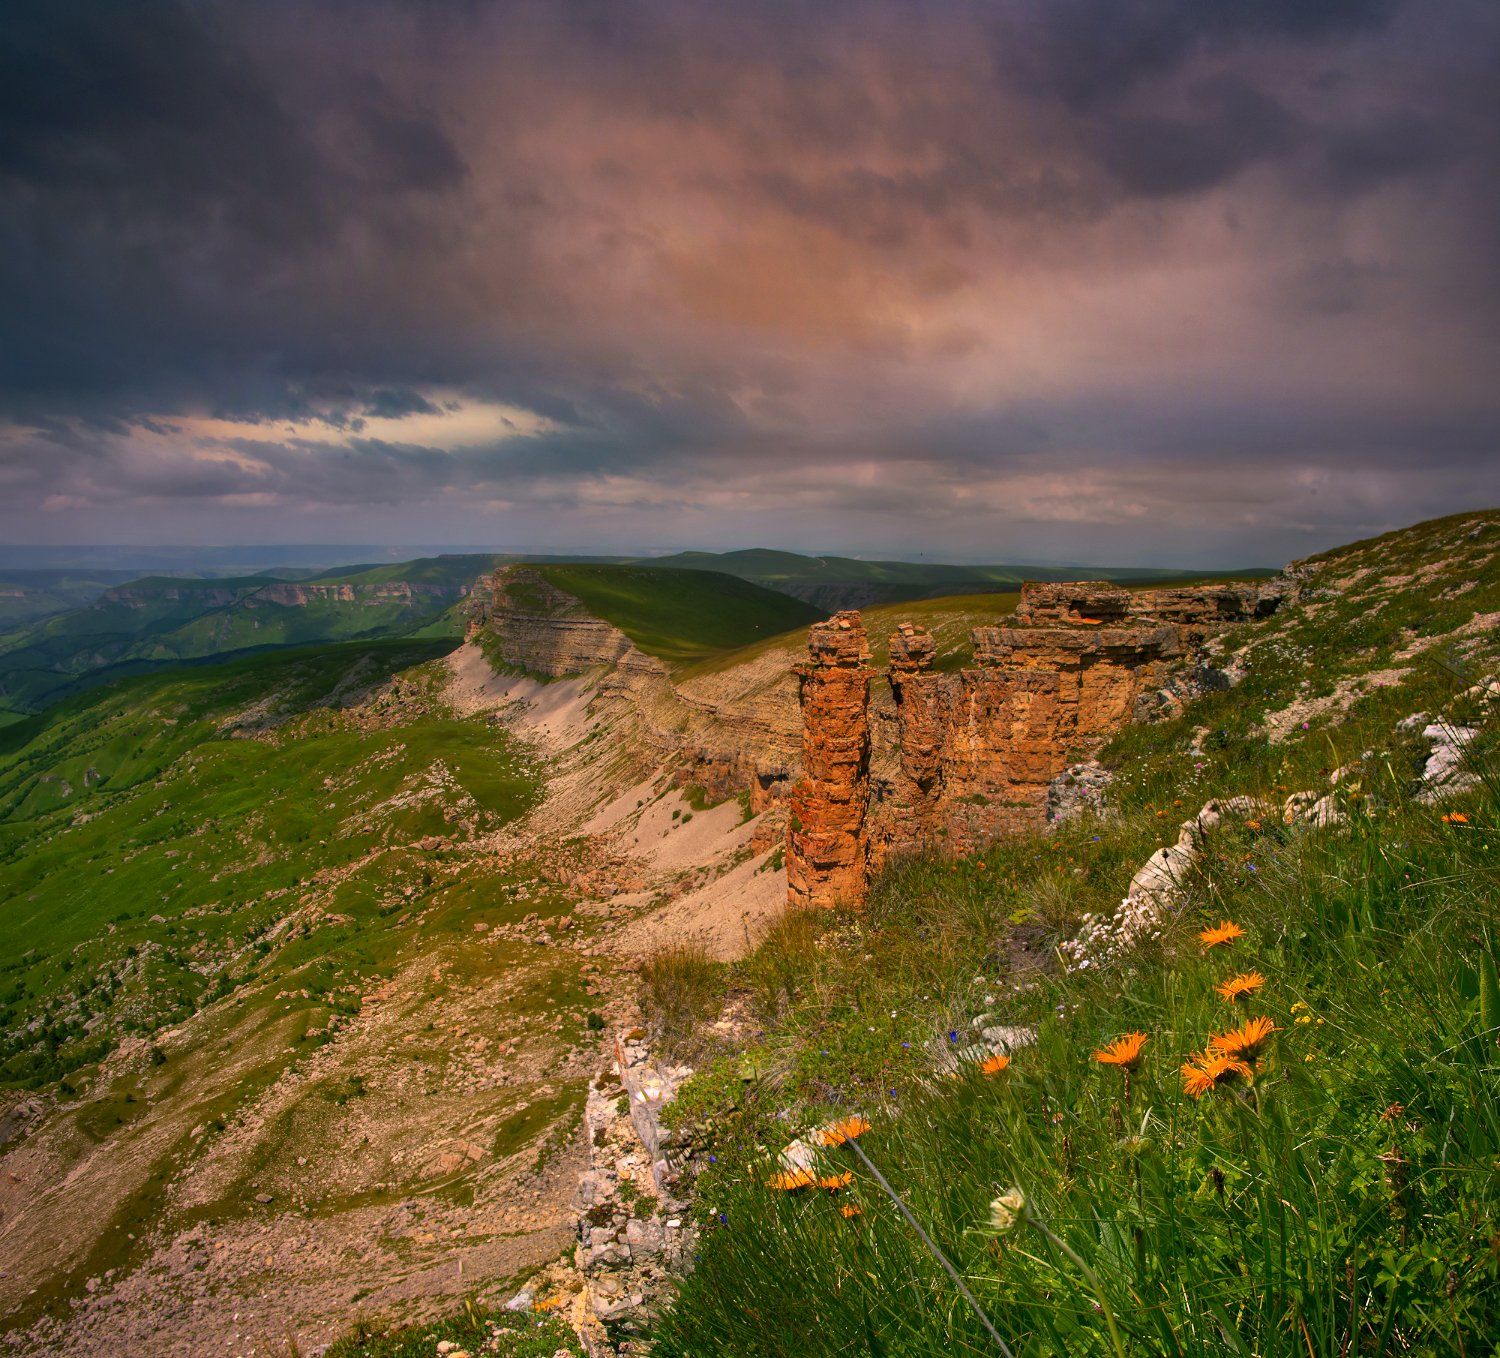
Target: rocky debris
<point x="1445" y="774"/>
<point x="1156" y="888"/>
<point x="17" y="1120"/>
<point x="1078" y="789"/>
<point x="828" y="849"/>
<point x="634" y="1237"/>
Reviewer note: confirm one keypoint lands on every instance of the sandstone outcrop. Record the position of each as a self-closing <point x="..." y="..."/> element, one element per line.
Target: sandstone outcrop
<point x="828" y="847"/>
<point x="979" y="753"/>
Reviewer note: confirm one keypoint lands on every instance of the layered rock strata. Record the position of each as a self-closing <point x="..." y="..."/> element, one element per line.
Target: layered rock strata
<point x="828" y="846"/>
<point x="979" y="753"/>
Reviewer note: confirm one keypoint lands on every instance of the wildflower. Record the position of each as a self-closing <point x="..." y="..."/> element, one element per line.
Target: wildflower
<point x="1006" y="1210"/>
<point x="834" y="1182"/>
<point x="995" y="1064"/>
<point x="1210" y="1070"/>
<point x="1240" y="987"/>
<point x="1123" y="1051"/>
<point x="849" y="1211"/>
<point x="551" y="1304"/>
<point x="790" y="1180"/>
<point x="1245" y="1042"/>
<point x="1455" y="818"/>
<point x="845" y="1129"/>
<point x="1225" y="932"/>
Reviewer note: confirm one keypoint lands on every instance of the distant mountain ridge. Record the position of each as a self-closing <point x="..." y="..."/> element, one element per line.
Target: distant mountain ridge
<point x="104" y="627"/>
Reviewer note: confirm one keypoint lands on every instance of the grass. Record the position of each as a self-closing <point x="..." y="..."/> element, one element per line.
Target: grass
<point x="680" y="987"/>
<point x="1344" y="1202"/>
<point x="949" y="619"/>
<point x="476" y="1329"/>
<point x="680" y="615"/>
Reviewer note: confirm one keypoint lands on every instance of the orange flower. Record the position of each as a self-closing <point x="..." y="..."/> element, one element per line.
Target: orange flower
<point x="1455" y="818"/>
<point x="845" y="1129"/>
<point x="849" y="1211"/>
<point x="1210" y="1070"/>
<point x="1239" y="987"/>
<point x="834" y="1182"/>
<point x="995" y="1064"/>
<point x="1252" y="825"/>
<point x="1245" y="1042"/>
<point x="1123" y="1051"/>
<point x="551" y="1304"/>
<point x="789" y="1181"/>
<point x="1226" y="932"/>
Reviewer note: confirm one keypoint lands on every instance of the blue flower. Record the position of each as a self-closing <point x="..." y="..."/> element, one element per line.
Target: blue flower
<point x="953" y="1035"/>
<point x="723" y="1219"/>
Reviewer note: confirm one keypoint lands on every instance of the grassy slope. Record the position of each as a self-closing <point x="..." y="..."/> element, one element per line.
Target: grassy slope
<point x="163" y="876"/>
<point x="894" y="579"/>
<point x="168" y="620"/>
<point x="677" y="615"/>
<point x="1347" y="1204"/>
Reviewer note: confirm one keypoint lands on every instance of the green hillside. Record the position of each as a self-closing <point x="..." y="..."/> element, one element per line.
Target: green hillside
<point x="846" y="582"/>
<point x="681" y="615"/>
<point x="209" y="876"/>
<point x="28" y="595"/>
<point x="1337" y="1196"/>
<point x="160" y="620"/>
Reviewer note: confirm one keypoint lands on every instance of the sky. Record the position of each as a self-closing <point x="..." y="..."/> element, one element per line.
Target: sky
<point x="1179" y="282"/>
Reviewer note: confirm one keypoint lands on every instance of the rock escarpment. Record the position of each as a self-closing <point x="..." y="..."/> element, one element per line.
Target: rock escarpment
<point x="979" y="751"/>
<point x="722" y="738"/>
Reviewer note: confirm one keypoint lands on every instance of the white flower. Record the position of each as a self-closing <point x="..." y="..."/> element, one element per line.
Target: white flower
<point x="1006" y="1210"/>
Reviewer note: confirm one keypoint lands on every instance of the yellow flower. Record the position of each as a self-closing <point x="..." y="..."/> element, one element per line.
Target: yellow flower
<point x="1225" y="932"/>
<point x="1211" y="1069"/>
<point x="1239" y="987"/>
<point x="789" y="1181"/>
<point x="849" y="1211"/>
<point x="1123" y="1051"/>
<point x="1244" y="1043"/>
<point x="551" y="1304"/>
<point x="845" y="1129"/>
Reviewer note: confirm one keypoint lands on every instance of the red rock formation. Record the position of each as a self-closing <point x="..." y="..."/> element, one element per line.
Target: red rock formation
<point x="827" y="845"/>
<point x="979" y="750"/>
<point x="920" y="725"/>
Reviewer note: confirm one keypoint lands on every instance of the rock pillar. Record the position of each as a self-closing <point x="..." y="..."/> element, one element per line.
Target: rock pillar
<point x="828" y="847"/>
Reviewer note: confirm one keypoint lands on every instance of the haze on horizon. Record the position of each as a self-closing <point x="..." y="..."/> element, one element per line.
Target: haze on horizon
<point x="1188" y="282"/>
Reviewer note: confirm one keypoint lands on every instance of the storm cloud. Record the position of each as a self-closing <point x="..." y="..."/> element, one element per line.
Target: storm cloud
<point x="1179" y="280"/>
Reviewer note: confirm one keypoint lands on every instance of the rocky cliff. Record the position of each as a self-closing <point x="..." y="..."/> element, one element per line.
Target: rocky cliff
<point x="976" y="753"/>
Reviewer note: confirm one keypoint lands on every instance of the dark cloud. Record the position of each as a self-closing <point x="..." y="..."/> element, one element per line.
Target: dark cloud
<point x="260" y="255"/>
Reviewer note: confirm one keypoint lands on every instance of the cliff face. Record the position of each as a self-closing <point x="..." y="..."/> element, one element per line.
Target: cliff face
<point x="728" y="733"/>
<point x="977" y="751"/>
<point x="541" y="628"/>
